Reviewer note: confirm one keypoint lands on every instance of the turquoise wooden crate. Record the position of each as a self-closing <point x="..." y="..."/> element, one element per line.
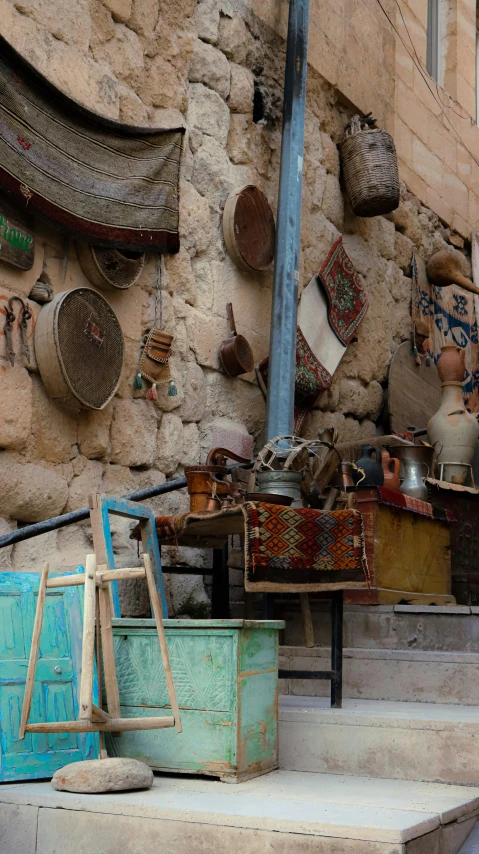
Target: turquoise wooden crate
<point x="226" y="680"/>
<point x="56" y="678"/>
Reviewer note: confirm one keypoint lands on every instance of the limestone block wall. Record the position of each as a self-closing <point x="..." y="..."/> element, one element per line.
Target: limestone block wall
<point x="217" y="66"/>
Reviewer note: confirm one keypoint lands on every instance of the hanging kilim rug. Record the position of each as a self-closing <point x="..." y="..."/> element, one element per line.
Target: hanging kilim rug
<point x="348" y="302"/>
<point x="112" y="184"/>
<point x="291" y="549"/>
<point x="311" y="378"/>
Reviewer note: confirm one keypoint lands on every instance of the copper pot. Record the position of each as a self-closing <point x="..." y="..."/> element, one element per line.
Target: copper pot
<point x="205" y="489"/>
<point x="236" y="354"/>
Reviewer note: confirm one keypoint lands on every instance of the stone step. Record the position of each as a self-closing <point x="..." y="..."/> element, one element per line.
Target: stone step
<point x="277" y="813"/>
<point x="388" y="674"/>
<point x="471" y="846"/>
<point x="372" y="738"/>
<point x="430" y="628"/>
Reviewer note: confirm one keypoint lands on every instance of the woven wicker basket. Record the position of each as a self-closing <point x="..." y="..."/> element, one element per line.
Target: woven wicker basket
<point x="370" y="171"/>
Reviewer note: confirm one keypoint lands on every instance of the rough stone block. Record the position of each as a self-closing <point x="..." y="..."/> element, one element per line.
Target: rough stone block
<point x="103" y="775"/>
<point x="5" y="553"/>
<point x="133" y="433"/>
<point x="30" y="493"/>
<point x="123" y="54"/>
<point x="144" y="17"/>
<point x="212" y="173"/>
<point x="169" y="443"/>
<point x="235" y="40"/>
<point x="54" y="431"/>
<point x="94" y="432"/>
<point x="205" y="335"/>
<point x="208" y="19"/>
<point x="120" y="9"/>
<point x="190" y="454"/>
<point x="403" y="249"/>
<point x="210" y="66"/>
<point x="208" y="112"/>
<point x="333" y="203"/>
<point x="180" y="278"/>
<point x="89" y="480"/>
<point x="16" y="406"/>
<point x="195" y="224"/>
<point x="68" y="22"/>
<point x="193" y="406"/>
<point x="241" y="89"/>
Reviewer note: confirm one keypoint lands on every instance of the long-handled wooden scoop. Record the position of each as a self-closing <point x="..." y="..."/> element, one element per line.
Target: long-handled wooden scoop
<point x="443" y="269"/>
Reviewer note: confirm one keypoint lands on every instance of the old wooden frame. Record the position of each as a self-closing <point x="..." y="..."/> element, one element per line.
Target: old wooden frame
<point x="91" y="717"/>
<point x="101" y="507"/>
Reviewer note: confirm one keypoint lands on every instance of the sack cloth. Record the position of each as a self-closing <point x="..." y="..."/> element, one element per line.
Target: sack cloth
<point x="112" y="184"/>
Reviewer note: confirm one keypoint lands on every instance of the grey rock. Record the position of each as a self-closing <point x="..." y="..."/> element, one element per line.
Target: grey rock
<point x="103" y="775"/>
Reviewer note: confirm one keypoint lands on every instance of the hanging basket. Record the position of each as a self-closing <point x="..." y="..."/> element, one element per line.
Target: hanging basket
<point x="370" y="169"/>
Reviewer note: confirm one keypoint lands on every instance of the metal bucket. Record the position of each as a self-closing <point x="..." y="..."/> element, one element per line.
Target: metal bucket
<point x="282" y="483"/>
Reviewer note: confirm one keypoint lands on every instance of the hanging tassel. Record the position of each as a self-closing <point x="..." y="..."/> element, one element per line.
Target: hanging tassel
<point x="152" y="394"/>
<point x="138" y="381"/>
<point x="428" y="362"/>
<point x="172" y="390"/>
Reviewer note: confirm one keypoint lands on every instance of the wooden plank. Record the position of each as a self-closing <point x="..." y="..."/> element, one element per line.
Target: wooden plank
<point x="34" y="649"/>
<point x="113" y="725"/>
<point x="307" y="620"/>
<point x="157" y="611"/>
<point x="67" y="581"/>
<point x="17" y="238"/>
<point x="88" y="646"/>
<point x="98" y="715"/>
<point x="105" y="603"/>
<point x="414" y="391"/>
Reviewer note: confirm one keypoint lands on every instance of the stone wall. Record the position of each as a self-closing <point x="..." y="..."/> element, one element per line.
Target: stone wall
<point x="216" y="66"/>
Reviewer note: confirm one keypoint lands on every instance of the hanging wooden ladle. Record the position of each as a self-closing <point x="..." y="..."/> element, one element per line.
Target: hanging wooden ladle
<point x="235" y="353"/>
<point x="443" y="269"/>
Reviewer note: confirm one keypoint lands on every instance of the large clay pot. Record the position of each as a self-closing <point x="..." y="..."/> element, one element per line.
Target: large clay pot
<point x="453" y="430"/>
<point x="391" y="467"/>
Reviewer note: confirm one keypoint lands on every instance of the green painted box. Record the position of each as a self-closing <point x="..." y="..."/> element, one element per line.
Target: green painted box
<point x="226" y="680"/>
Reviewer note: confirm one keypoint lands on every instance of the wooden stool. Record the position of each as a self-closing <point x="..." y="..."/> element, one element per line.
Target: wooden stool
<point x="97" y="623"/>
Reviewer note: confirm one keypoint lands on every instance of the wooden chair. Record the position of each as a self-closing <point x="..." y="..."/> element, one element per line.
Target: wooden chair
<point x="97" y="627"/>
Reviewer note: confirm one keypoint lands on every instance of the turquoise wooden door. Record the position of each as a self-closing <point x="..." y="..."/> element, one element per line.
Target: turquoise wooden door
<point x="56" y="681"/>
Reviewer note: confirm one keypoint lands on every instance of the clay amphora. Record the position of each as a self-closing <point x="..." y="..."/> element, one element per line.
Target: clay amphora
<point x="370" y="463"/>
<point x="453" y="429"/>
<point x="391" y="467"/>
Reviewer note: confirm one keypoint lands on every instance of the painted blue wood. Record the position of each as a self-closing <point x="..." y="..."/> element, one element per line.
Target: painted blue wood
<point x="55" y="695"/>
<point x="131" y="510"/>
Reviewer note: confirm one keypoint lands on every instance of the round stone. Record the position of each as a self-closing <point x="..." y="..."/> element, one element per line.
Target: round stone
<point x="103" y="775"/>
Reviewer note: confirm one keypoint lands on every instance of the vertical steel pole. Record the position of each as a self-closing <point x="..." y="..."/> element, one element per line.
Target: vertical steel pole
<point x="282" y="348"/>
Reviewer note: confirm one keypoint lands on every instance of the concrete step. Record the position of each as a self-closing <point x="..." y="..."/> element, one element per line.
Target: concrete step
<point x="408" y="675"/>
<point x="278" y="813"/>
<point x="432" y="628"/>
<point x="372" y="738"/>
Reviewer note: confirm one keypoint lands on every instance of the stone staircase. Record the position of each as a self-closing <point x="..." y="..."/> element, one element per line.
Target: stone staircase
<point x="395" y="771"/>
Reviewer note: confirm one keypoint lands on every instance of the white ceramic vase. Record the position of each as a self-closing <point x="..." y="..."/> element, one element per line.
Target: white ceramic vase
<point x="453" y="431"/>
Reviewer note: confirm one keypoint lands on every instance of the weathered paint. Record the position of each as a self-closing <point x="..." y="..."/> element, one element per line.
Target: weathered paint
<point x="226" y="679"/>
<point x="55" y="695"/>
<point x="109" y="504"/>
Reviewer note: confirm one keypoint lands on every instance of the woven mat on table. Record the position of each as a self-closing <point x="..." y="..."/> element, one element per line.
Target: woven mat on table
<point x="348" y="302"/>
<point x="291" y="549"/>
<point x="414" y="505"/>
<point x="110" y="183"/>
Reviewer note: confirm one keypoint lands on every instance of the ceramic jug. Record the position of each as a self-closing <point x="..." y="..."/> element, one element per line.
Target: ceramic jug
<point x="453" y="429"/>
<point x="391" y="467"/>
<point x="370" y="463"/>
<point x="413" y="483"/>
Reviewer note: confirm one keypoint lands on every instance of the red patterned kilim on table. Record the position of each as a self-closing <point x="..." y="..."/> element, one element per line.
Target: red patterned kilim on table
<point x="414" y="505"/>
<point x="348" y="302"/>
<point x="289" y="548"/>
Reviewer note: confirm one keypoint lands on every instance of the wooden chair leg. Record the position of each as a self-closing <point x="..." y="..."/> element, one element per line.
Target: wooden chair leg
<point x="109" y="669"/>
<point x="37" y="627"/>
<point x="307" y="619"/>
<point x="157" y="611"/>
<point x="88" y="647"/>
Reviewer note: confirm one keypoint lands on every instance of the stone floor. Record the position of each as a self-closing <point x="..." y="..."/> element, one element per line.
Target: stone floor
<point x="282" y="811"/>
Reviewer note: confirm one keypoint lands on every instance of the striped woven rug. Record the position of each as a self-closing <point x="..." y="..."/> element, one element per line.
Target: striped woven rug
<point x="109" y="183"/>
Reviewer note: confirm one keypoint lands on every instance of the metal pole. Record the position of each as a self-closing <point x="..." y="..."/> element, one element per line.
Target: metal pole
<point x="284" y="310"/>
<point x="80" y="515"/>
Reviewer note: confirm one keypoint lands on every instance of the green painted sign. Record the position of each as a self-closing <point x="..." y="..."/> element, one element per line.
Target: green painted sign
<point x="17" y="240"/>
